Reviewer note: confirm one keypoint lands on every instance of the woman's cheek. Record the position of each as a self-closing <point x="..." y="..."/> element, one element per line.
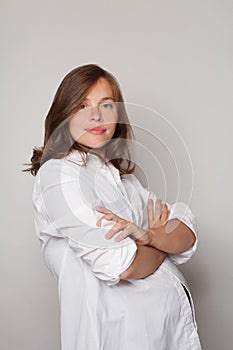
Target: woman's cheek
<point x="75" y="128"/>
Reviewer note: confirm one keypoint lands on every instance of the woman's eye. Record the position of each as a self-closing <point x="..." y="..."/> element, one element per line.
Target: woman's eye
<point x="82" y="106"/>
<point x="107" y="105"/>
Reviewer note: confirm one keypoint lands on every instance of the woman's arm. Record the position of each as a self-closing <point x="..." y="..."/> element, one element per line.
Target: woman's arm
<point x="146" y="261"/>
<point x="173" y="238"/>
<point x="183" y="214"/>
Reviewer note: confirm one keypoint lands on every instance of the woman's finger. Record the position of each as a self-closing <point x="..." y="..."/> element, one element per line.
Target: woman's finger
<point x="115" y="229"/>
<point x="150" y="212"/>
<point x="110" y="217"/>
<point x="102" y="209"/>
<point x="127" y="231"/>
<point x="165" y="213"/>
<point x="131" y="230"/>
<point x="158" y="210"/>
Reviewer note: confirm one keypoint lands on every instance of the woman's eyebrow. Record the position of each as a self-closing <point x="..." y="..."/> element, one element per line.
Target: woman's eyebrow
<point x="102" y="99"/>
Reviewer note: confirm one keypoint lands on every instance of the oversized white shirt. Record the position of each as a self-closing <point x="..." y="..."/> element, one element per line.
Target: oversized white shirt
<point x="94" y="302"/>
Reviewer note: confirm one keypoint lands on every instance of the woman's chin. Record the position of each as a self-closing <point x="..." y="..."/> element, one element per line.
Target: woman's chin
<point x="97" y="145"/>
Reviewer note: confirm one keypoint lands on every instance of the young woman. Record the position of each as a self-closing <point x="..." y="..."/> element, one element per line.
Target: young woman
<point x="111" y="243"/>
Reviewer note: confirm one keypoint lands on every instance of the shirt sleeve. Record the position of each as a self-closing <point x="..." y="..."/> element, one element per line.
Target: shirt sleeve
<point x="182" y="212"/>
<point x="61" y="211"/>
<point x="178" y="210"/>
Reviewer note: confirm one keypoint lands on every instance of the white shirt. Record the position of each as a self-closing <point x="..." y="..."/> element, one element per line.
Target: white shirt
<point x="98" y="310"/>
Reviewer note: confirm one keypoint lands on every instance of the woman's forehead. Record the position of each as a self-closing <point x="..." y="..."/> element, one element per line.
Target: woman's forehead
<point x="101" y="90"/>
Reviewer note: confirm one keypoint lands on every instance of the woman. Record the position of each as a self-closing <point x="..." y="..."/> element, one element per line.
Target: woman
<point x="118" y="284"/>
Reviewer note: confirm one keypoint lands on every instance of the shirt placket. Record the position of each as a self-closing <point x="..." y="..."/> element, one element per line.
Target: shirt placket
<point x="116" y="179"/>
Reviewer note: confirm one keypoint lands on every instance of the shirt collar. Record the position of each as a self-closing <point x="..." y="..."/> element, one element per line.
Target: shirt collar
<point x="79" y="158"/>
<point x="76" y="157"/>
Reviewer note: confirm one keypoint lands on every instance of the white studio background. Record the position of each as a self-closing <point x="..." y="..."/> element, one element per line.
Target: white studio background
<point x="175" y="57"/>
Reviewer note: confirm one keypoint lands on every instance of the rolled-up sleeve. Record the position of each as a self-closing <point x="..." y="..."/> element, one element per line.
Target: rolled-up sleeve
<point x="61" y="211"/>
<point x="182" y="212"/>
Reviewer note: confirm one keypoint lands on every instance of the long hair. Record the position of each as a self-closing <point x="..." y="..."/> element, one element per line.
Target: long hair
<point x="58" y="142"/>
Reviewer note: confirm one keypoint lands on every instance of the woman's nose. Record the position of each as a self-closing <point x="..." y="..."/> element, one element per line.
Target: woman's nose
<point x="95" y="114"/>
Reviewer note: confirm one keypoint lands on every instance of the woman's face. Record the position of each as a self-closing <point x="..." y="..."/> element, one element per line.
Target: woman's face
<point x="95" y="121"/>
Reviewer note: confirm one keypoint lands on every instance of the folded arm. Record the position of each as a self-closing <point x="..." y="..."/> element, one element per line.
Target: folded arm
<point x="173" y="238"/>
<point x="167" y="235"/>
<point x="180" y="244"/>
<point x="146" y="262"/>
<point x="147" y="259"/>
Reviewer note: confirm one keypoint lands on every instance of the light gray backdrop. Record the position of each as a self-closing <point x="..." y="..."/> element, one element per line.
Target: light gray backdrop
<point x="172" y="56"/>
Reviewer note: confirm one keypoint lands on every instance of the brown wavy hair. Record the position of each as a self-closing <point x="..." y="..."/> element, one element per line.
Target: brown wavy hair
<point x="58" y="142"/>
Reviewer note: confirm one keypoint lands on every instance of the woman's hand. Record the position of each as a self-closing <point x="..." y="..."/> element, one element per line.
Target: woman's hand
<point x="156" y="218"/>
<point x="127" y="228"/>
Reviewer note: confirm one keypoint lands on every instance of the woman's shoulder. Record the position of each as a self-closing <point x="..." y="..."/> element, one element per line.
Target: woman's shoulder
<point x="73" y="160"/>
<point x="56" y="171"/>
<point x="48" y="168"/>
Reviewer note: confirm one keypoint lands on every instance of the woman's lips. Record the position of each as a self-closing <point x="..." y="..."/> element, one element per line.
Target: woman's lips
<point x="97" y="130"/>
